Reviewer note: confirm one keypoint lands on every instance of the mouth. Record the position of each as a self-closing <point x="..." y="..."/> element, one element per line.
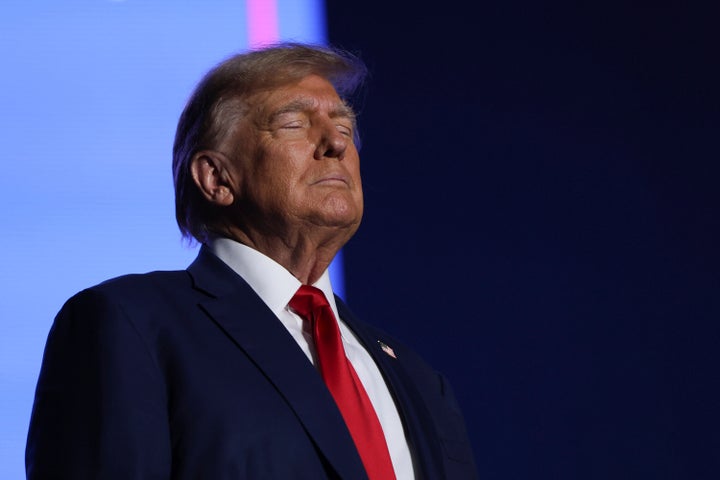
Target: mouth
<point x="333" y="179"/>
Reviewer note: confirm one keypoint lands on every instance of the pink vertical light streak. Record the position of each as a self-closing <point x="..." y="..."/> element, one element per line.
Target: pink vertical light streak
<point x="262" y="22"/>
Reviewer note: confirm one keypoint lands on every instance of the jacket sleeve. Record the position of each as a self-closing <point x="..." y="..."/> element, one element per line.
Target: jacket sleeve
<point x="100" y="407"/>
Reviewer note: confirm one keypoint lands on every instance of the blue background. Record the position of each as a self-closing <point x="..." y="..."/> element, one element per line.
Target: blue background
<point x="89" y="97"/>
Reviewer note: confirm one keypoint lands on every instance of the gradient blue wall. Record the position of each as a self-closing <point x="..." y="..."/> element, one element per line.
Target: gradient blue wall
<point x="90" y="95"/>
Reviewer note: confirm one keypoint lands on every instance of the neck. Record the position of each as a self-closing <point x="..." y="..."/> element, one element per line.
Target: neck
<point x="305" y="256"/>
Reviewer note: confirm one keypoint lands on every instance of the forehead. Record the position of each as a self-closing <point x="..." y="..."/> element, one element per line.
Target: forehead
<point x="311" y="92"/>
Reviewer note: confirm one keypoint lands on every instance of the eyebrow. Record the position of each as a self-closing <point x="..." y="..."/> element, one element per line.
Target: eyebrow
<point x="304" y="104"/>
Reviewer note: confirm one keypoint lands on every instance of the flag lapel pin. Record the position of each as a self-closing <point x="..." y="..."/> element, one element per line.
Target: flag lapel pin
<point x="387" y="349"/>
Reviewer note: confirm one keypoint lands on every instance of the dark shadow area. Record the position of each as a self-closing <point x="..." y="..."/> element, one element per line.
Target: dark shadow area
<point x="542" y="223"/>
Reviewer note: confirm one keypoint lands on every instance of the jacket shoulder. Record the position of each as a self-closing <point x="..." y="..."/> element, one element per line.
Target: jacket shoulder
<point x="139" y="295"/>
<point x="138" y="285"/>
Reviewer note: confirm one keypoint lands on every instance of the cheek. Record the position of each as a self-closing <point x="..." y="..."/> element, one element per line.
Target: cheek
<point x="282" y="166"/>
<point x="353" y="166"/>
<point x="279" y="190"/>
<point x="293" y="160"/>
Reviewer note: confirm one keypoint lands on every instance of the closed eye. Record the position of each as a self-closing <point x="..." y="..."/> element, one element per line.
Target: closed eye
<point x="345" y="130"/>
<point x="294" y="124"/>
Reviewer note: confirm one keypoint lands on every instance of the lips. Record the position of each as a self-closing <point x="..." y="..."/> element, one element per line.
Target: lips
<point x="333" y="178"/>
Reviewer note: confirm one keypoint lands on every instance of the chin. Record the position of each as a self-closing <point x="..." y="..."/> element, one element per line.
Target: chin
<point x="344" y="219"/>
<point x="340" y="212"/>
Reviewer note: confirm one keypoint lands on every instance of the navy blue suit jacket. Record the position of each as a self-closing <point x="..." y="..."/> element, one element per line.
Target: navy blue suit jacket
<point x="188" y="375"/>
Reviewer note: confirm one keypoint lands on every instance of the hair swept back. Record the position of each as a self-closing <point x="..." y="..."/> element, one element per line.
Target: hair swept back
<point x="216" y="104"/>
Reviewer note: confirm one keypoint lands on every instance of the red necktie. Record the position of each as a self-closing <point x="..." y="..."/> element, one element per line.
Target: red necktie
<point x="343" y="383"/>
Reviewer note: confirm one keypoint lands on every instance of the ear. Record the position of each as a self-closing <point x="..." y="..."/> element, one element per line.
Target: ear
<point x="209" y="172"/>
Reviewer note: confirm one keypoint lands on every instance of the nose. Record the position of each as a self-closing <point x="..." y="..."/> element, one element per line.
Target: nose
<point x="332" y="144"/>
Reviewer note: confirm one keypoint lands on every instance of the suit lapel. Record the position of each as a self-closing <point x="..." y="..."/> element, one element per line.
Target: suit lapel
<point x="422" y="435"/>
<point x="247" y="321"/>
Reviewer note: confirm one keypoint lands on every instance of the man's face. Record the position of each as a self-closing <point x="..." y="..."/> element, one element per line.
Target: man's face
<point x="294" y="160"/>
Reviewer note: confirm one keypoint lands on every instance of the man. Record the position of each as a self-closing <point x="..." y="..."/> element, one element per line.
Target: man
<point x="237" y="367"/>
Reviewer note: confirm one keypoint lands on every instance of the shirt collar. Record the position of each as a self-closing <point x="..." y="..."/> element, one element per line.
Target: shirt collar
<point x="271" y="281"/>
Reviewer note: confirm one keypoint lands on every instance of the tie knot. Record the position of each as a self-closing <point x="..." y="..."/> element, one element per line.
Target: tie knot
<point x="307" y="299"/>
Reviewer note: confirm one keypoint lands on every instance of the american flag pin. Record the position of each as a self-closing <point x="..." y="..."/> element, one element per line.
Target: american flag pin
<point x="387" y="349"/>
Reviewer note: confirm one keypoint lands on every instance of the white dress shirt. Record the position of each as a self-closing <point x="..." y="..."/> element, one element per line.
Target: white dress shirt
<point x="276" y="286"/>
